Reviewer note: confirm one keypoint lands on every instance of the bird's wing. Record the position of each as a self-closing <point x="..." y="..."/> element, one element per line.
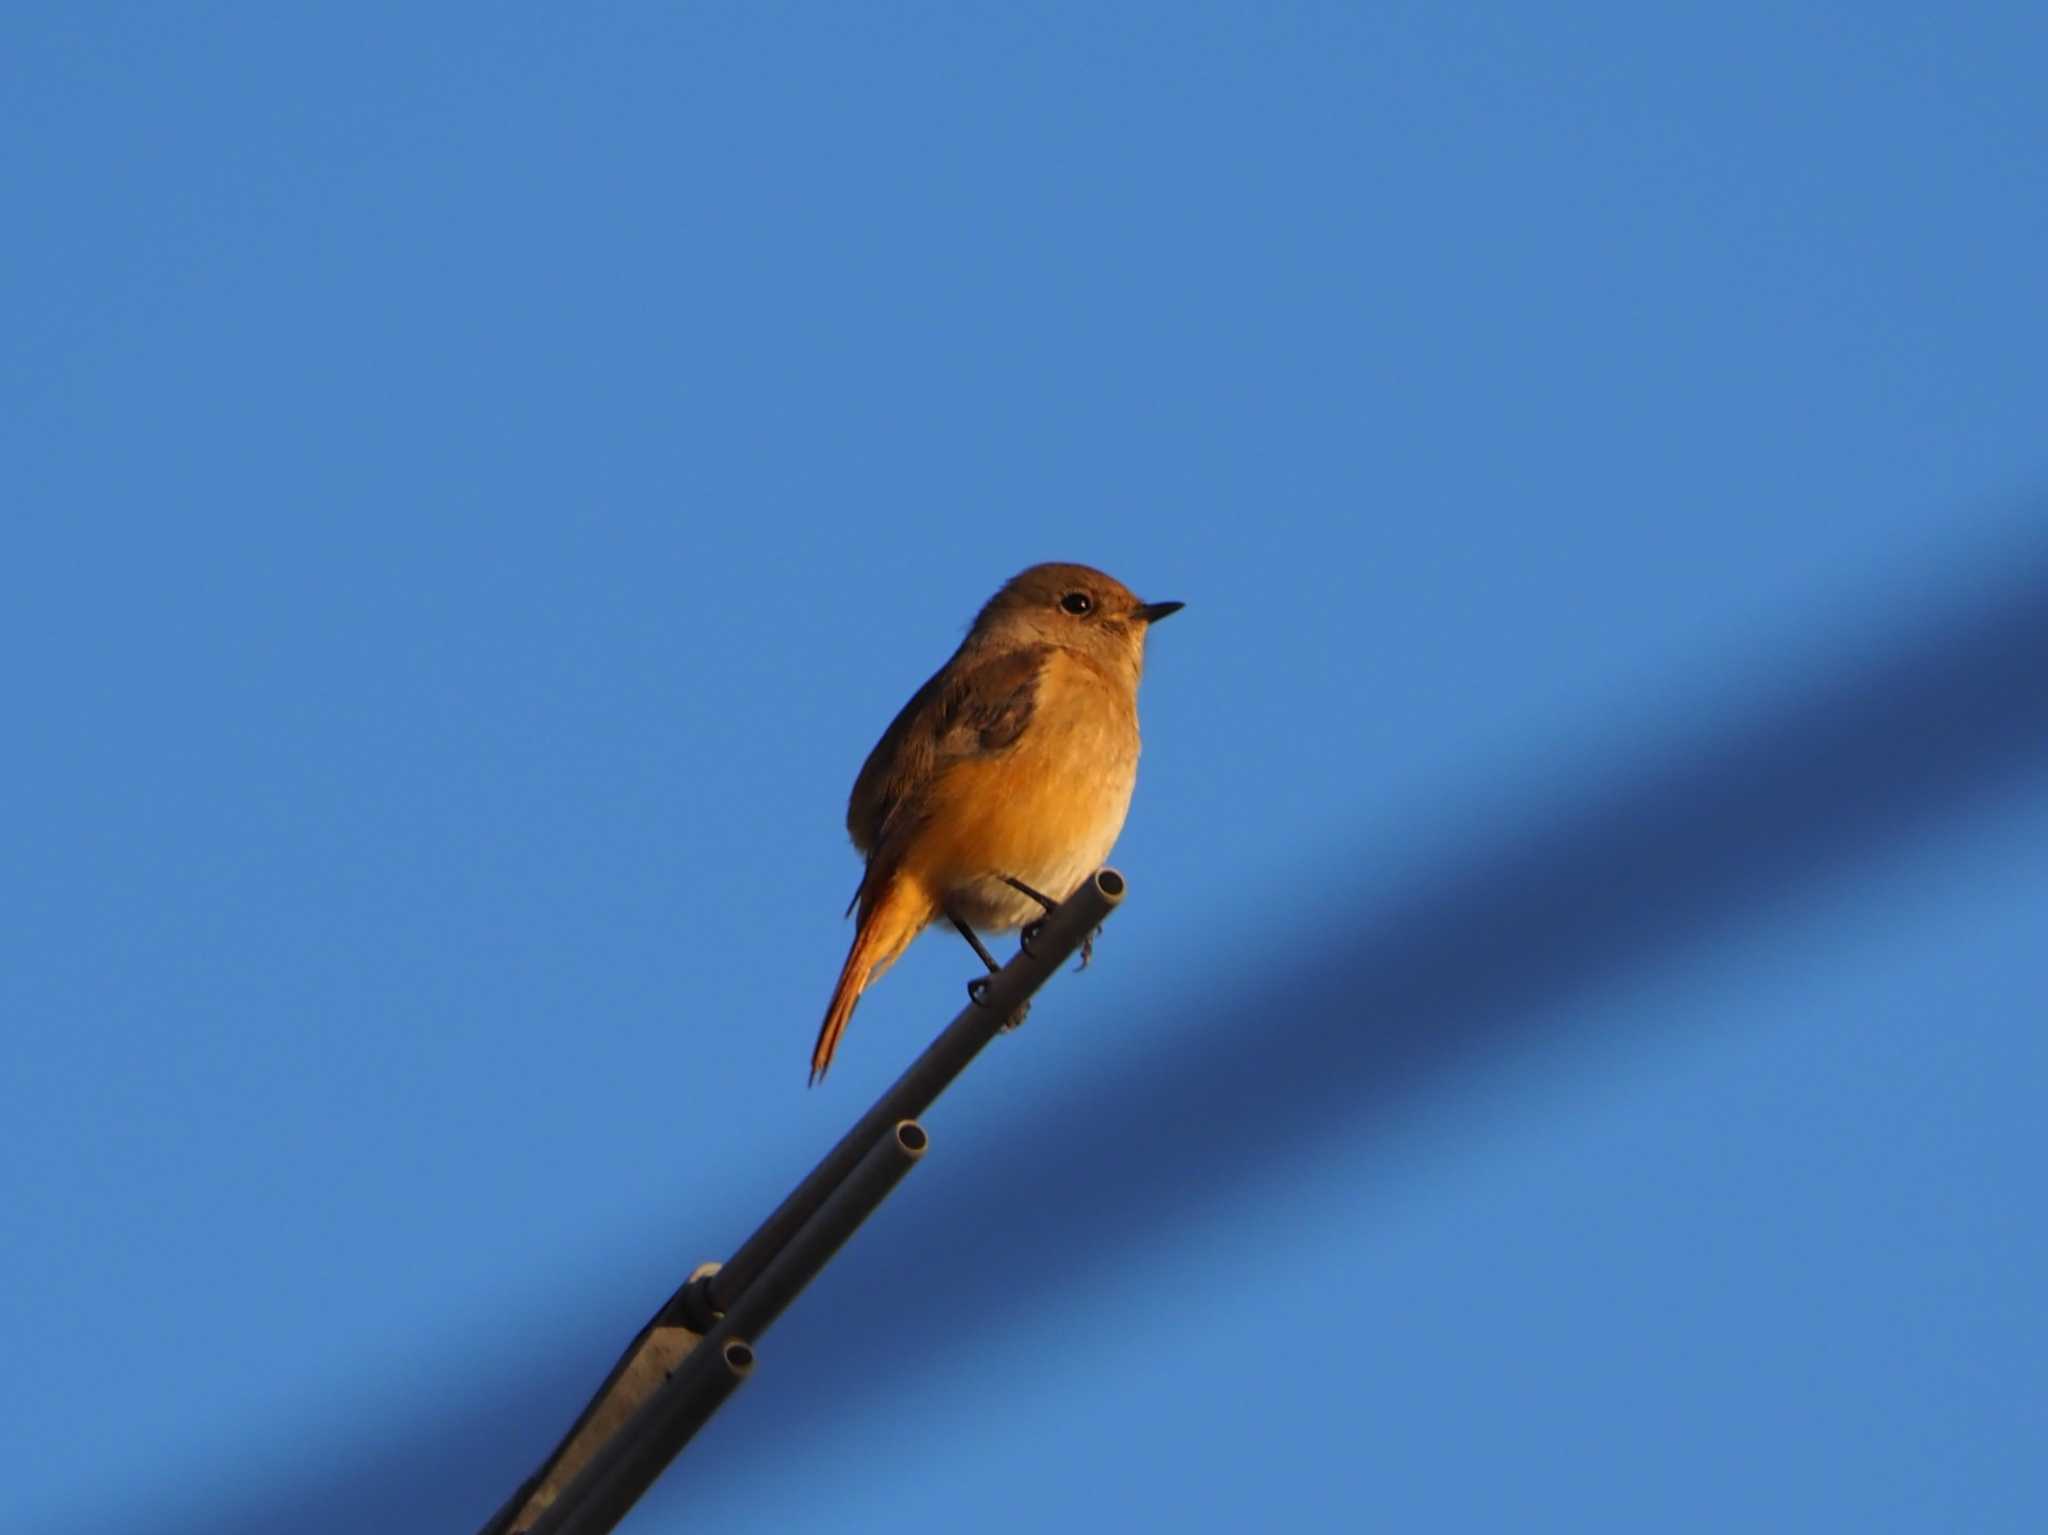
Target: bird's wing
<point x="964" y="711"/>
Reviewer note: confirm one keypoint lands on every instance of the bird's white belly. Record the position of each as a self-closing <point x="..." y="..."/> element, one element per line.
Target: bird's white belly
<point x="993" y="906"/>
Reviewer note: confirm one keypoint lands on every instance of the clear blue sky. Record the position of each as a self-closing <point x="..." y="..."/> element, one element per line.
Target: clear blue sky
<point x="477" y="478"/>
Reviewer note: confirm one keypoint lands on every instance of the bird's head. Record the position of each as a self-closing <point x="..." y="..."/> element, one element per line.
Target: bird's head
<point x="1072" y="605"/>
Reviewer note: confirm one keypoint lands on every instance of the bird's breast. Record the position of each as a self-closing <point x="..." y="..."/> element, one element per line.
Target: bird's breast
<point x="1046" y="810"/>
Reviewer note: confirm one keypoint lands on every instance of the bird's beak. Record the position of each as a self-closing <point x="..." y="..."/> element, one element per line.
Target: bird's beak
<point x="1152" y="612"/>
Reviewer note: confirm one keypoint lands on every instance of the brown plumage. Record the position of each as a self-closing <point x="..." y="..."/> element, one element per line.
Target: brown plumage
<point x="1015" y="760"/>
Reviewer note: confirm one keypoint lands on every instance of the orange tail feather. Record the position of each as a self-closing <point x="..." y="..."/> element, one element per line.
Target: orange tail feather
<point x="887" y="924"/>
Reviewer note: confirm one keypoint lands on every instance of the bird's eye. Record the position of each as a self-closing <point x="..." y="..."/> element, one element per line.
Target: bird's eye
<point x="1078" y="603"/>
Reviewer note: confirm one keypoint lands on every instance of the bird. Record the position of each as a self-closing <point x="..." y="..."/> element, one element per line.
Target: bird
<point x="1004" y="782"/>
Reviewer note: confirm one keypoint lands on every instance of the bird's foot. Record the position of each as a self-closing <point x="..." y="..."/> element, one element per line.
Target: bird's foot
<point x="977" y="993"/>
<point x="1088" y="948"/>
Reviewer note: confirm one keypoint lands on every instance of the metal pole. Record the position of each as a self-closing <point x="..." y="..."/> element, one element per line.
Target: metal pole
<point x="675" y="1372"/>
<point x="997" y="999"/>
<point x="629" y="1462"/>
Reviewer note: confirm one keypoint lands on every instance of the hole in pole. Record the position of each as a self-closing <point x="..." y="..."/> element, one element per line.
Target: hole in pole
<point x="1109" y="882"/>
<point x="911" y="1137"/>
<point x="738" y="1357"/>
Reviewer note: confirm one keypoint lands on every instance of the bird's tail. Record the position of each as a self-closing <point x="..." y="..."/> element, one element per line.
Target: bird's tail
<point x="887" y="924"/>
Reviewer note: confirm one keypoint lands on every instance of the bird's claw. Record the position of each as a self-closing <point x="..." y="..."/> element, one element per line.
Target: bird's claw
<point x="1088" y="948"/>
<point x="977" y="993"/>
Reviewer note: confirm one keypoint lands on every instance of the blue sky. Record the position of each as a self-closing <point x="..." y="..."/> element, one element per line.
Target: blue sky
<point x="478" y="481"/>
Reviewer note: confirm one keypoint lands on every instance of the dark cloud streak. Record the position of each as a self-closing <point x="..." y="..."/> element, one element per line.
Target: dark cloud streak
<point x="1662" y="854"/>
